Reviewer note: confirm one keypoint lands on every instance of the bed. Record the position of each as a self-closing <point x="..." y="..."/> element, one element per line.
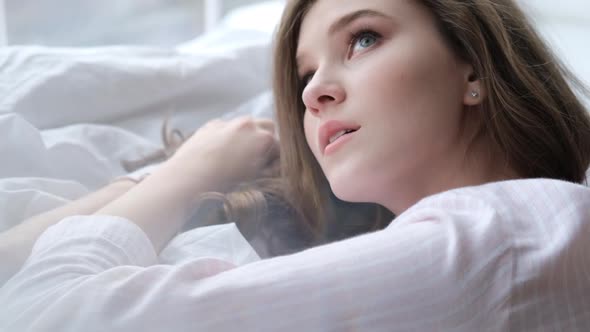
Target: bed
<point x="69" y="116"/>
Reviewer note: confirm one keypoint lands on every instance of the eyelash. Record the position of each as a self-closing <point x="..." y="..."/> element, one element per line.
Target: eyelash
<point x="353" y="38"/>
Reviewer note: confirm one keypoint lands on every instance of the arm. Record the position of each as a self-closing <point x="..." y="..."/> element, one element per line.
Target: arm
<point x="17" y="242"/>
<point x="408" y="277"/>
<point x="162" y="203"/>
<point x="100" y="272"/>
<point x="218" y="156"/>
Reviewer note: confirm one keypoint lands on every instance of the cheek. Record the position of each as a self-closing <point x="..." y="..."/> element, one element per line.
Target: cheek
<point x="405" y="70"/>
<point x="420" y="84"/>
<point x="310" y="131"/>
<point x="388" y="79"/>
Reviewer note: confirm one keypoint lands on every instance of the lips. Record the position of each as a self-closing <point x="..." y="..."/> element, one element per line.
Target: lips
<point x="331" y="131"/>
<point x="339" y="134"/>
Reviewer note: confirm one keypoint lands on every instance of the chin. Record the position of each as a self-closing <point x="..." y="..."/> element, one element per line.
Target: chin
<point x="357" y="184"/>
<point x="347" y="190"/>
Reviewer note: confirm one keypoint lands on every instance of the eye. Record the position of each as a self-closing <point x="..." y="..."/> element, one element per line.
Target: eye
<point x="362" y="40"/>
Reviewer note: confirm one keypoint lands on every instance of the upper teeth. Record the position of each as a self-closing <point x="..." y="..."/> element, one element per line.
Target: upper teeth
<point x="338" y="134"/>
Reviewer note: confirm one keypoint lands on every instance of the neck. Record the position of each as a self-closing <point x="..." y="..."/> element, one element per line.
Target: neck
<point x="477" y="164"/>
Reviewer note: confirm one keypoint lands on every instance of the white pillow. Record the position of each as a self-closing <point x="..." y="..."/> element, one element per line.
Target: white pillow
<point x="54" y="87"/>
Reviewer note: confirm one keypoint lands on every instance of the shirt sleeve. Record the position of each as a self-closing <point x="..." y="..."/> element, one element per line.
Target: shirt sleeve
<point x="98" y="273"/>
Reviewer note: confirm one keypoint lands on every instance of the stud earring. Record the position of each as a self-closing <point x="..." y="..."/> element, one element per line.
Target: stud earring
<point x="475" y="94"/>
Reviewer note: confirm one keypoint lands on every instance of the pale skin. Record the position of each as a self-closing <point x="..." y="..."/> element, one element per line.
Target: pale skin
<point x="219" y="155"/>
<point x="383" y="66"/>
<point x="410" y="98"/>
<point x="413" y="102"/>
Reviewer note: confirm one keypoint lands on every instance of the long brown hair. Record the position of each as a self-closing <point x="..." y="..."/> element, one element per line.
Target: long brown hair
<point x="530" y="112"/>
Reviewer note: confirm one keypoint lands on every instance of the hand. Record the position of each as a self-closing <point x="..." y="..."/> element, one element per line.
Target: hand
<point x="218" y="156"/>
<point x="227" y="152"/>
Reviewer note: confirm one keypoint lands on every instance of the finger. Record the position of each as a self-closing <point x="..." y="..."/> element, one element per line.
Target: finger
<point x="272" y="167"/>
<point x="273" y="151"/>
<point x="267" y="125"/>
<point x="275" y="163"/>
<point x="272" y="170"/>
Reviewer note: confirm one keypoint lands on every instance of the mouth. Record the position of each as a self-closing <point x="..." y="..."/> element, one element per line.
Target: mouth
<point x="339" y="134"/>
<point x="333" y="132"/>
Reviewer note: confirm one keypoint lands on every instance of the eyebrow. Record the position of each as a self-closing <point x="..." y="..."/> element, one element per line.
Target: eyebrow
<point x="347" y="19"/>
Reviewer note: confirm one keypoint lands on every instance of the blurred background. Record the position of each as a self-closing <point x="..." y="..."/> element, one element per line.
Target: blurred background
<point x="167" y="23"/>
<point x="108" y="22"/>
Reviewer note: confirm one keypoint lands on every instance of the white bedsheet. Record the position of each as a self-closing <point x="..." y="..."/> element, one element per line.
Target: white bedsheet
<point x="69" y="116"/>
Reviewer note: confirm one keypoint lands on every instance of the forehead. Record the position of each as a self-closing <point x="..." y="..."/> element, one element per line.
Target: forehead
<point x="323" y="14"/>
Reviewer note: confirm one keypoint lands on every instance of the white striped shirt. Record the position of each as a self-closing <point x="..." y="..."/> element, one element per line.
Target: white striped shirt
<point x="506" y="256"/>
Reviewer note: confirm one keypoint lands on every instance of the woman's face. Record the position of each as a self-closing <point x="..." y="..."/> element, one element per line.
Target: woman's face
<point x="381" y="69"/>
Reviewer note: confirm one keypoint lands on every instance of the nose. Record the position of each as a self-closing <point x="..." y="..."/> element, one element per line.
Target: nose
<point x="322" y="93"/>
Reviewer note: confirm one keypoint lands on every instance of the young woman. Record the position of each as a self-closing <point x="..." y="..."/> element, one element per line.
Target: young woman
<point x="451" y="114"/>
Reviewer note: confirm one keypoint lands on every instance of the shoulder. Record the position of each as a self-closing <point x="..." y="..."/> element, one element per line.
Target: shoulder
<point x="526" y="240"/>
<point x="512" y="209"/>
<point x="508" y="199"/>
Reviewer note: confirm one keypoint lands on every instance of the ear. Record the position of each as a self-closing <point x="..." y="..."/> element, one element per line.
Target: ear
<point x="474" y="92"/>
